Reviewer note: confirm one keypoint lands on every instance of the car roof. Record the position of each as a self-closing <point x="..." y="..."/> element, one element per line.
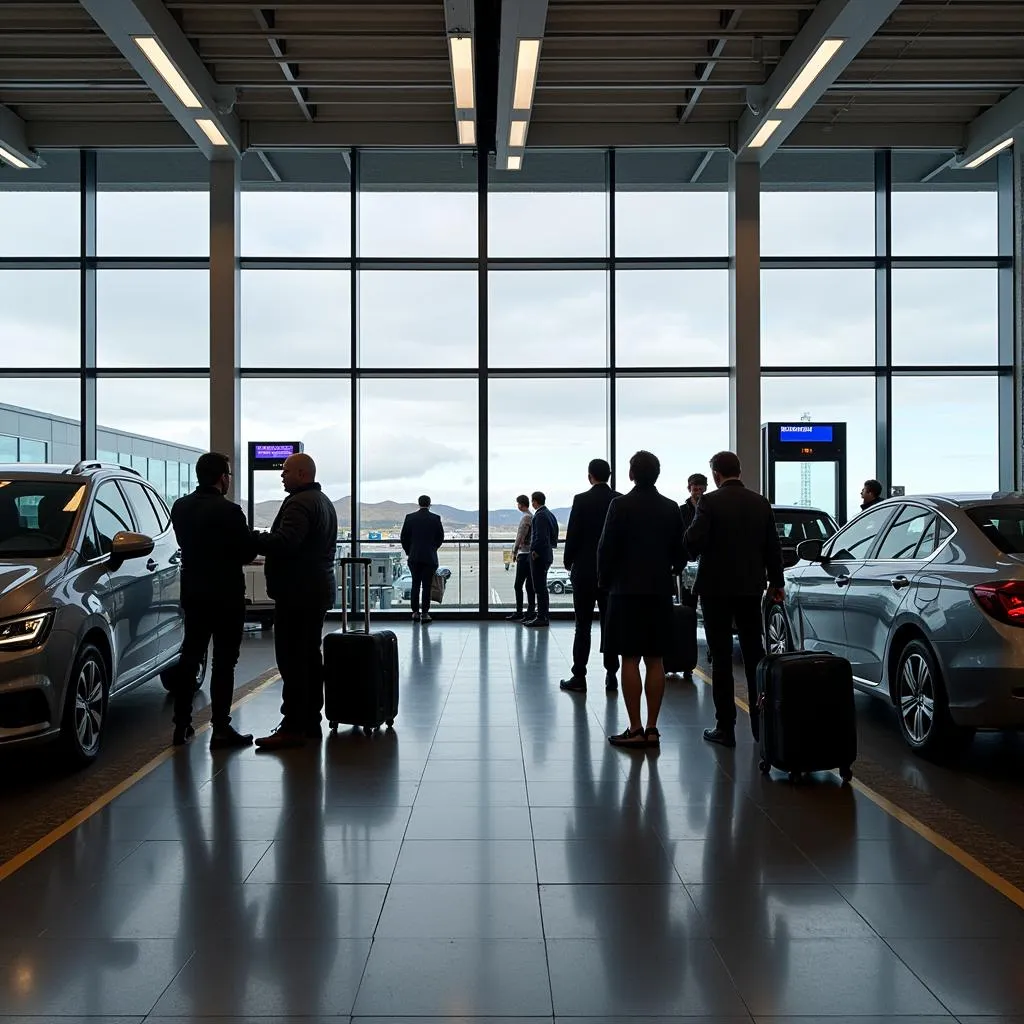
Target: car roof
<point x="962" y="499"/>
<point x="81" y="471"/>
<point x="806" y="509"/>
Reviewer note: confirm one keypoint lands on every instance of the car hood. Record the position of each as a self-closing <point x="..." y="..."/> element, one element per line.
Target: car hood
<point x="22" y="582"/>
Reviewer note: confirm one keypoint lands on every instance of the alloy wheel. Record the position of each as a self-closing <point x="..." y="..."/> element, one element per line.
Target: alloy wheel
<point x="778" y="633"/>
<point x="917" y="697"/>
<point x="89" y="705"/>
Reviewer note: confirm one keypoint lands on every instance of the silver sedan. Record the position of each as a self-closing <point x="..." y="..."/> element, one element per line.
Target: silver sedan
<point x="925" y="597"/>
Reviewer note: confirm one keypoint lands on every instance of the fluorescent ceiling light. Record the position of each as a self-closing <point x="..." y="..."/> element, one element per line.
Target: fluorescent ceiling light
<point x="826" y="50"/>
<point x="764" y="133"/>
<point x="15" y="161"/>
<point x="167" y="71"/>
<point x="461" y="54"/>
<point x="987" y="155"/>
<point x="467" y="133"/>
<point x="211" y="131"/>
<point x="515" y="163"/>
<point x="517" y="135"/>
<point x="527" y="58"/>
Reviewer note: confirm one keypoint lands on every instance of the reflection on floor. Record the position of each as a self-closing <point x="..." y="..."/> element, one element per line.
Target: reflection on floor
<point x="495" y="857"/>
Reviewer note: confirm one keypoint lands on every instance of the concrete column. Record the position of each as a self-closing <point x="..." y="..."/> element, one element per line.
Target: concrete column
<point x="745" y="318"/>
<point x="87" y="308"/>
<point x="883" y="320"/>
<point x="225" y="321"/>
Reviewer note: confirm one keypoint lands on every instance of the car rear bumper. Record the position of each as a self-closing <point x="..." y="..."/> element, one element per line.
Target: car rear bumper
<point x="985" y="678"/>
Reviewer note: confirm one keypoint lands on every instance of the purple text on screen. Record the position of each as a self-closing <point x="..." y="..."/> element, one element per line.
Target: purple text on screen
<point x="274" y="451"/>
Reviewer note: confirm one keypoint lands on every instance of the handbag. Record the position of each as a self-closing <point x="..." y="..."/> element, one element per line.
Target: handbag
<point x="437" y="588"/>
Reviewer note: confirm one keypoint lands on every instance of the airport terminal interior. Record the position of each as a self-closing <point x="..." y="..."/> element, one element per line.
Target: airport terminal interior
<point x="460" y="248"/>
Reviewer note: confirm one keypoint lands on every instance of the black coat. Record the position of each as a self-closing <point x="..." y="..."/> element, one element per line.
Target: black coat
<point x="641" y="547"/>
<point x="422" y="535"/>
<point x="583" y="532"/>
<point x="215" y="543"/>
<point x="301" y="546"/>
<point x="734" y="535"/>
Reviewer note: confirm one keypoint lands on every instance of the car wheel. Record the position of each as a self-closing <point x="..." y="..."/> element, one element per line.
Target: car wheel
<point x="776" y="632"/>
<point x="85" y="708"/>
<point x="169" y="675"/>
<point x="922" y="706"/>
<point x="557" y="587"/>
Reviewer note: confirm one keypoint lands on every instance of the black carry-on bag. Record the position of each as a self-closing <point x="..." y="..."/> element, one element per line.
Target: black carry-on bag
<point x="360" y="667"/>
<point x="808" y="721"/>
<point x="681" y="657"/>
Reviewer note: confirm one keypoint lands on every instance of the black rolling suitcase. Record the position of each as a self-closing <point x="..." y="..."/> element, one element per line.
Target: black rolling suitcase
<point x="808" y="722"/>
<point x="360" y="667"/>
<point x="681" y="656"/>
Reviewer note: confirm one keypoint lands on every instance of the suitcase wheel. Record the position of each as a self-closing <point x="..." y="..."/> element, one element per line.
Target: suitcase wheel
<point x="846" y="773"/>
<point x="390" y="723"/>
<point x="764" y="766"/>
<point x="368" y="730"/>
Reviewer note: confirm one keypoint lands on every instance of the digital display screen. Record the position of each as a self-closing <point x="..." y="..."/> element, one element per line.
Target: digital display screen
<point x="804" y="433"/>
<point x="274" y="452"/>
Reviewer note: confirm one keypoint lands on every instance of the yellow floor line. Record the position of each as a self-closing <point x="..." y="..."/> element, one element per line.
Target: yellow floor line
<point x="17" y="862"/>
<point x="940" y="842"/>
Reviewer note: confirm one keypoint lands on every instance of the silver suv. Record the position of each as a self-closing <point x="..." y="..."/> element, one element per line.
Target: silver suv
<point x="89" y="599"/>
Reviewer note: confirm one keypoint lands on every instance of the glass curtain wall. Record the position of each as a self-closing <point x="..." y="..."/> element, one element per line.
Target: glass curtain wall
<point x="427" y="327"/>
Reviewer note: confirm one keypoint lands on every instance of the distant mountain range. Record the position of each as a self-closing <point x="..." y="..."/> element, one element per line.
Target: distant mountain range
<point x="389" y="515"/>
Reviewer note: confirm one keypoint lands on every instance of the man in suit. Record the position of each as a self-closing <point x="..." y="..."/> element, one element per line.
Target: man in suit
<point x="422" y="535"/>
<point x="586" y="521"/>
<point x="696" y="485"/>
<point x="543" y="539"/>
<point x="300" y="551"/>
<point x="215" y="543"/>
<point x="734" y="534"/>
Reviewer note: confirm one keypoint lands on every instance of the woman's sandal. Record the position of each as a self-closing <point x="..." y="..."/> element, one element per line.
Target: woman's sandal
<point x="629" y="738"/>
<point x="653" y="737"/>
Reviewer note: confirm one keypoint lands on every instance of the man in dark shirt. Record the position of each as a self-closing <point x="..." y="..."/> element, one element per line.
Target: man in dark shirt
<point x="696" y="485"/>
<point x="300" y="558"/>
<point x="734" y="534"/>
<point x="543" y="539"/>
<point x="215" y="543"/>
<point x="870" y="494"/>
<point x="422" y="535"/>
<point x="586" y="521"/>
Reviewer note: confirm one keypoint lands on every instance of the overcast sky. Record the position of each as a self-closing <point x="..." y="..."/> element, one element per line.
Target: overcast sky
<point x="421" y="434"/>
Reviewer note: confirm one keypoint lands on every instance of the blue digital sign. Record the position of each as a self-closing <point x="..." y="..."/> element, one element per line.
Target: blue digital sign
<point x="807" y="433"/>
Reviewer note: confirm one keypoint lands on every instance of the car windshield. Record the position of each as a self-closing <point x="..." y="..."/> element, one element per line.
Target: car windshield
<point x="1002" y="524"/>
<point x="795" y="527"/>
<point x="36" y="516"/>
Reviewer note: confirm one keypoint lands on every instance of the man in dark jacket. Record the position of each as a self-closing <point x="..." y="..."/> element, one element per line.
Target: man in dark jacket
<point x="696" y="485"/>
<point x="586" y="521"/>
<point x="215" y="543"/>
<point x="870" y="494"/>
<point x="422" y="535"/>
<point x="300" y="557"/>
<point x="734" y="534"/>
<point x="543" y="540"/>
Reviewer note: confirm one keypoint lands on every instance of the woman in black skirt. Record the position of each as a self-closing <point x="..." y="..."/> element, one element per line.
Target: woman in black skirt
<point x="640" y="550"/>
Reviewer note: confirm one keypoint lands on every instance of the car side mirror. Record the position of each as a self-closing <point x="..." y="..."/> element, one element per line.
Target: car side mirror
<point x="810" y="551"/>
<point x="127" y="545"/>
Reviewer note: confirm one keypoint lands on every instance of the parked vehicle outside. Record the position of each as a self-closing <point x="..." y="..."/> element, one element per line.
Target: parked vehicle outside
<point x="403" y="585"/>
<point x="925" y="597"/>
<point x="559" y="581"/>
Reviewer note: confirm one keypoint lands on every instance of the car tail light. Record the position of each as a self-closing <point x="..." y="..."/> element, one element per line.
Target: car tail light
<point x="1003" y="601"/>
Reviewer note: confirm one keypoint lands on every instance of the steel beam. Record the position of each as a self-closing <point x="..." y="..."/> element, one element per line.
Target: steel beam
<point x="852" y="21"/>
<point x="125" y="21"/>
<point x="520" y="19"/>
<point x="995" y="125"/>
<point x="266" y="19"/>
<point x="728" y="19"/>
<point x="14" y="139"/>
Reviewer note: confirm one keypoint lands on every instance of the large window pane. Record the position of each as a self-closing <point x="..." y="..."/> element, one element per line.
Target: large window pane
<point x="945" y="317"/>
<point x="684" y="421"/>
<point x="174" y="413"/>
<point x="546" y="318"/>
<point x="152" y="223"/>
<point x="672" y="318"/>
<point x="40" y="412"/>
<point x="849" y="400"/>
<point x="557" y="206"/>
<point x="296" y="223"/>
<point x="420" y="437"/>
<point x="805" y="223"/>
<point x="153" y="318"/>
<point x="39" y="317"/>
<point x="40" y="223"/>
<point x="945" y="434"/>
<point x="418" y="318"/>
<point x="817" y="317"/>
<point x="297" y="318"/>
<point x="934" y="223"/>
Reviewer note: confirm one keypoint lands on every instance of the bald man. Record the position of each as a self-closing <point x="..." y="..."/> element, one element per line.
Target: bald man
<point x="300" y="556"/>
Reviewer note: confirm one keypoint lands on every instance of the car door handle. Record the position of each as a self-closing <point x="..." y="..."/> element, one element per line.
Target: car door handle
<point x="175" y="559"/>
<point x="151" y="565"/>
<point x="899" y="582"/>
<point x="842" y="581"/>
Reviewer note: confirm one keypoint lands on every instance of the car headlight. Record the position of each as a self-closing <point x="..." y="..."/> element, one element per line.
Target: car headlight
<point x="25" y="631"/>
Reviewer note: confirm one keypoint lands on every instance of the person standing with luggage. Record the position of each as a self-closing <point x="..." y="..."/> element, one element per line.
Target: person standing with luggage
<point x="735" y="537"/>
<point x="521" y="558"/>
<point x="640" y="549"/>
<point x="543" y="540"/>
<point x="215" y="543"/>
<point x="300" y="557"/>
<point x="422" y="535"/>
<point x="586" y="521"/>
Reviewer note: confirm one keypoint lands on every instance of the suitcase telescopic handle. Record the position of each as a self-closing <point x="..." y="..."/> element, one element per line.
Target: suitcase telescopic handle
<point x="350" y="563"/>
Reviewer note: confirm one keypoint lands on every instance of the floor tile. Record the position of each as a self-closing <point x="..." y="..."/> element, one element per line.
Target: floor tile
<point x="467" y="911"/>
<point x="459" y="771"/>
<point x="625" y="860"/>
<point x="614" y="793"/>
<point x="466" y="862"/>
<point x="338" y="822"/>
<point x="472" y="793"/>
<point x="705" y="861"/>
<point x="649" y="913"/>
<point x="567" y="823"/>
<point x="351" y="861"/>
<point x="479" y="978"/>
<point x="480" y="822"/>
<point x="223" y="860"/>
<point x="907" y="858"/>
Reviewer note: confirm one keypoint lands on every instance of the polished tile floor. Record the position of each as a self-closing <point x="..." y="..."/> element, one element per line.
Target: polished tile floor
<point x="494" y="857"/>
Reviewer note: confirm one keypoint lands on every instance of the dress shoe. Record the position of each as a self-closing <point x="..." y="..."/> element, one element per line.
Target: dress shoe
<point x="611" y="684"/>
<point x="229" y="738"/>
<point x="281" y="739"/>
<point x="573" y="685"/>
<point x="415" y="616"/>
<point x="538" y="623"/>
<point x="182" y="734"/>
<point x="426" y="619"/>
<point x="515" y="617"/>
<point x="721" y="737"/>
